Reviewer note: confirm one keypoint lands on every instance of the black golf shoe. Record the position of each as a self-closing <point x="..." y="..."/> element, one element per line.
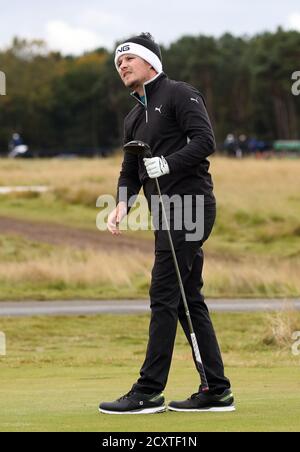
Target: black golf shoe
<point x="135" y="403"/>
<point x="204" y="401"/>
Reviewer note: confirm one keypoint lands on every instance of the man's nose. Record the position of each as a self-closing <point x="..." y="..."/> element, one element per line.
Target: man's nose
<point x="123" y="64"/>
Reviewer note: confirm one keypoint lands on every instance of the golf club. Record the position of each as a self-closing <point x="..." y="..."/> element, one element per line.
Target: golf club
<point x="141" y="148"/>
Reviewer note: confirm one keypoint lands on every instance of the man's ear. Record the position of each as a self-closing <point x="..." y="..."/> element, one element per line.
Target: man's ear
<point x="152" y="68"/>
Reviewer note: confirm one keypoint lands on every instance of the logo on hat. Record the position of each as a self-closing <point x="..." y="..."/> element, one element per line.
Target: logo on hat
<point x="124" y="49"/>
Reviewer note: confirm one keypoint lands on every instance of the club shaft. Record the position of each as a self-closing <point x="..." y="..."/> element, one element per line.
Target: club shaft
<point x="194" y="342"/>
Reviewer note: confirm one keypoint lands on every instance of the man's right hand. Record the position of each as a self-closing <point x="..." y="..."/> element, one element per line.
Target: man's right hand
<point x="115" y="218"/>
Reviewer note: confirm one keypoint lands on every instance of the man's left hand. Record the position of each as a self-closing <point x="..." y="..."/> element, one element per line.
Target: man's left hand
<point x="156" y="167"/>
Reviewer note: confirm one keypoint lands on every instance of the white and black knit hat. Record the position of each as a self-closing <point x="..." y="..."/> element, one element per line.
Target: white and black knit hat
<point x="143" y="46"/>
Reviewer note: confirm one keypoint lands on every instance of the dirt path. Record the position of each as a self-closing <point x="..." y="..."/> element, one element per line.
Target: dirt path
<point x="78" y="238"/>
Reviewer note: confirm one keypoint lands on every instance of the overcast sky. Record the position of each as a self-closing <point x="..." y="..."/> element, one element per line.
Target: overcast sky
<point x="73" y="26"/>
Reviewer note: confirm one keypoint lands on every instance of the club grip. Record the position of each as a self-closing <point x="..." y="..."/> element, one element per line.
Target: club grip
<point x="148" y="154"/>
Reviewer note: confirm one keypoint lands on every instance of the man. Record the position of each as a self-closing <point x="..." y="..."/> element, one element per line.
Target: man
<point x="171" y="117"/>
<point x="16" y="146"/>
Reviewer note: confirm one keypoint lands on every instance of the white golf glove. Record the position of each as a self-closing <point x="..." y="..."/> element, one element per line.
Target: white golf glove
<point x="156" y="167"/>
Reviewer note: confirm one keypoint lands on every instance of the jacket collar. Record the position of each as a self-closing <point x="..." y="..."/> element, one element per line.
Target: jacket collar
<point x="149" y="87"/>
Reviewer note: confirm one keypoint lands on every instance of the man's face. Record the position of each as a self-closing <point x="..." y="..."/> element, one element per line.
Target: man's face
<point x="133" y="70"/>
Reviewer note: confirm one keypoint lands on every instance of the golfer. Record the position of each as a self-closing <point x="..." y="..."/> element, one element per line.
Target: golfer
<point x="171" y="117"/>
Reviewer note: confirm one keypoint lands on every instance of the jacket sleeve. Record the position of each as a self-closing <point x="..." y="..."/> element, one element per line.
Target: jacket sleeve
<point x="192" y="118"/>
<point x="129" y="176"/>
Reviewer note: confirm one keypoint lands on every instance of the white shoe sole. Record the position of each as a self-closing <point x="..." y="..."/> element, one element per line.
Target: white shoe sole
<point x="160" y="409"/>
<point x="224" y="409"/>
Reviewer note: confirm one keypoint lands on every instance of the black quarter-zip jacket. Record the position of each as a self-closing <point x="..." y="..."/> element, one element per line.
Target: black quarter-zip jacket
<point x="175" y="123"/>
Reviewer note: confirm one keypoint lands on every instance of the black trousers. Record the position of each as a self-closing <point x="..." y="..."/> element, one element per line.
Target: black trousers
<point x="167" y="307"/>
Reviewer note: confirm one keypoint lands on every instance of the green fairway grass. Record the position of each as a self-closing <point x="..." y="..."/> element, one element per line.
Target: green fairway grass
<point x="58" y="369"/>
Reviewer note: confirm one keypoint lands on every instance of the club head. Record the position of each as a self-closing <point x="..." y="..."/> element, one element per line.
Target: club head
<point x="137" y="147"/>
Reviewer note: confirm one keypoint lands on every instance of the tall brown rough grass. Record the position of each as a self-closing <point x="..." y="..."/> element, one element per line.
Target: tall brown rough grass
<point x="86" y="267"/>
<point x="254" y="249"/>
<point x="281" y="326"/>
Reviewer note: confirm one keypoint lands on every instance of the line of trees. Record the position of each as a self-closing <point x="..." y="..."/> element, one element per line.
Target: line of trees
<point x="59" y="102"/>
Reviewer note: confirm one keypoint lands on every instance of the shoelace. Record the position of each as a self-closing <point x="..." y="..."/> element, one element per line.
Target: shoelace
<point x="125" y="396"/>
<point x="195" y="395"/>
